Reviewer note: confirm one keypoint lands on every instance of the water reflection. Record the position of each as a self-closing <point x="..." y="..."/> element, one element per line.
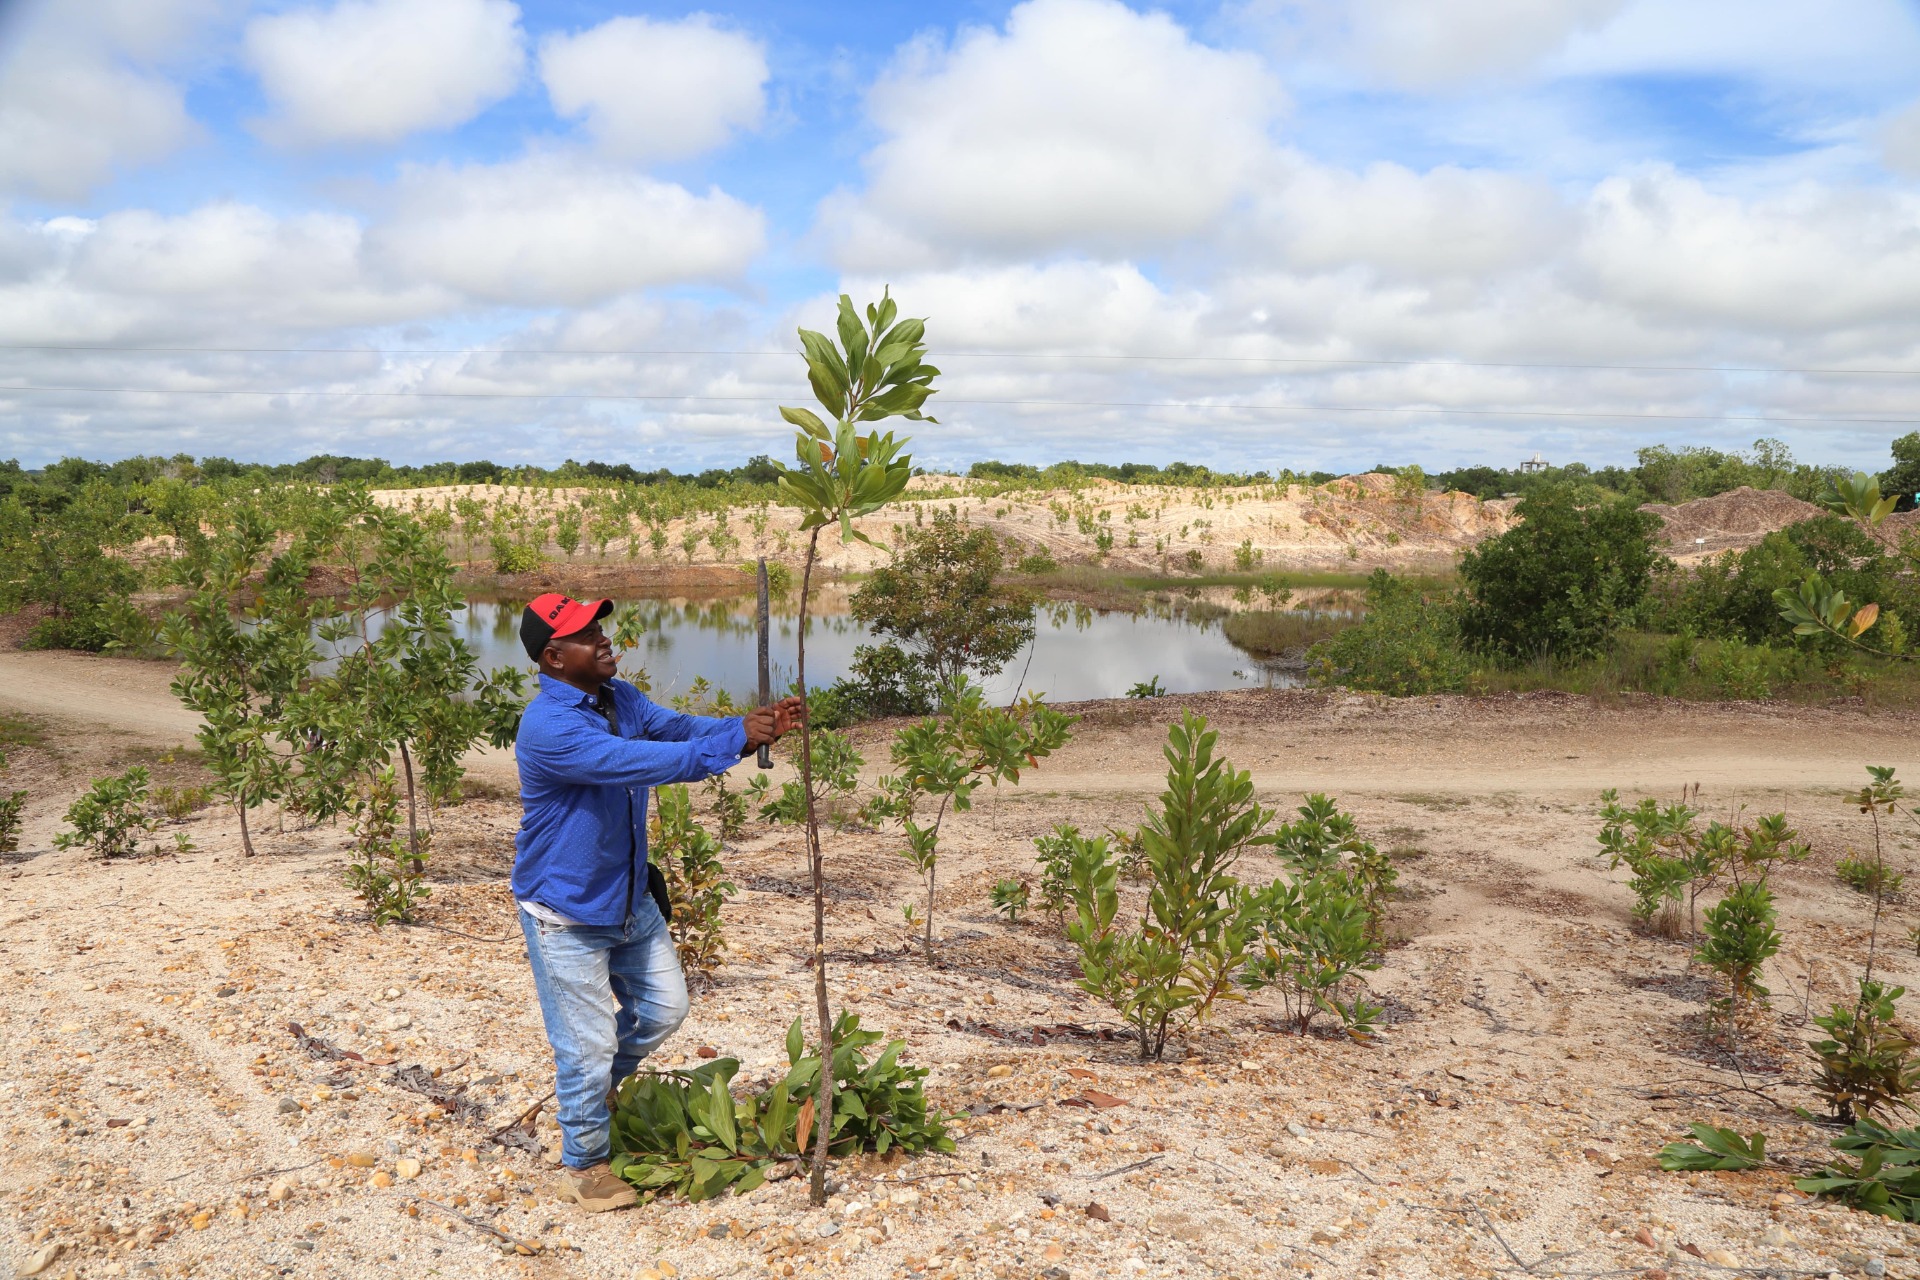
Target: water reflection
<point x="1078" y="652"/>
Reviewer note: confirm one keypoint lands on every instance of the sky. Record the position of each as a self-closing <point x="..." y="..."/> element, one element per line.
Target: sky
<point x="1317" y="234"/>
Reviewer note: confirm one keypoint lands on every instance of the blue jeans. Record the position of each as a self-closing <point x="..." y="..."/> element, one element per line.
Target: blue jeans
<point x="609" y="997"/>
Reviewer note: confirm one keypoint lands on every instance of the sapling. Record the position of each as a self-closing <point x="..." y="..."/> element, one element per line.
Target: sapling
<point x="1183" y="955"/>
<point x="875" y="372"/>
<point x="112" y="817"/>
<point x="1010" y="897"/>
<point x="697" y="887"/>
<point x="950" y="755"/>
<point x="10" y="807"/>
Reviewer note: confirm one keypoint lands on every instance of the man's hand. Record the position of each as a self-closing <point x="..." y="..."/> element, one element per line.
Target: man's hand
<point x="766" y="725"/>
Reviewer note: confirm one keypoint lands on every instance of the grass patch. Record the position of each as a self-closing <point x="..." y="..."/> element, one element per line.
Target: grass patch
<point x="1715" y="671"/>
<point x="21" y="731"/>
<point x="1267" y="632"/>
<point x="1297" y="579"/>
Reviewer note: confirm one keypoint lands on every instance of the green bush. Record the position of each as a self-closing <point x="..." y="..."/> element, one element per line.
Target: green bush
<point x="1010" y="897"/>
<point x="389" y="871"/>
<point x="684" y="1133"/>
<point x="111" y="818"/>
<point x="1183" y="954"/>
<point x="939" y="597"/>
<point x="1865" y="875"/>
<point x="1409" y="643"/>
<point x="1738" y="938"/>
<point x="697" y="887"/>
<point x="11" y="805"/>
<point x="1561" y="581"/>
<point x="1149" y="688"/>
<point x="1056" y="853"/>
<point x="1866" y="1063"/>
<point x="510" y="556"/>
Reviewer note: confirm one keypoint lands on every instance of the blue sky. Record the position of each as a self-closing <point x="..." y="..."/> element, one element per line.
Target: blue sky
<point x="1311" y="233"/>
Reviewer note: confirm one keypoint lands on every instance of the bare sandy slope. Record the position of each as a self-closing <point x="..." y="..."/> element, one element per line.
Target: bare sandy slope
<point x="1355" y="522"/>
<point x="1541" y="1051"/>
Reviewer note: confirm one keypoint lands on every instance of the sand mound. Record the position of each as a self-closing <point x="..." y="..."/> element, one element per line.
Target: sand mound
<point x="1730" y="521"/>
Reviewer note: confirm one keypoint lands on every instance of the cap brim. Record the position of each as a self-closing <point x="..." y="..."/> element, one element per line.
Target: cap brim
<point x="583" y="615"/>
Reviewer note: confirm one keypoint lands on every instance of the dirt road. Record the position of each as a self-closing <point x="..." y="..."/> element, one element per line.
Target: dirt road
<point x="159" y="1112"/>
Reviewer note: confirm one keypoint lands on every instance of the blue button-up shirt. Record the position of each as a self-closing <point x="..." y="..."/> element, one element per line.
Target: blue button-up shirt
<point x="583" y="792"/>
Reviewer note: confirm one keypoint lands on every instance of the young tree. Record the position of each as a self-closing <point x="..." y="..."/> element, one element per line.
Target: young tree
<point x="951" y="755"/>
<point x="402" y="683"/>
<point x="938" y="597"/>
<point x="875" y="372"/>
<point x="245" y="646"/>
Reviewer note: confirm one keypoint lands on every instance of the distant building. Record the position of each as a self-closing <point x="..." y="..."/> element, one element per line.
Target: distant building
<point x="1533" y="464"/>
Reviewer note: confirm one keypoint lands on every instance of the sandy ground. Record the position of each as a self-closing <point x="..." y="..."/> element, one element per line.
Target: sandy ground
<point x="161" y="1119"/>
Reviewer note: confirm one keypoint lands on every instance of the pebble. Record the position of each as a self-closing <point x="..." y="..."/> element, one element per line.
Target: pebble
<point x="382" y="1179"/>
<point x="1778" y="1237"/>
<point x="281" y="1191"/>
<point x="288" y="1107"/>
<point x="1000" y="1072"/>
<point x="408" y="1168"/>
<point x="1296" y="1129"/>
<point x="1875" y="1267"/>
<point x="41" y="1259"/>
<point x="829" y="1228"/>
<point x="362" y="1160"/>
<point x="398" y="1022"/>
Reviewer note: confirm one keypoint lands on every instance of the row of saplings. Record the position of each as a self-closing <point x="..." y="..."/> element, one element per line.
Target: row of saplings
<point x="1201" y="936"/>
<point x="1866" y="1068"/>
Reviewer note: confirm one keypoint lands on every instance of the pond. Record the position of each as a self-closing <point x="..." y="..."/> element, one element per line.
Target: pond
<point x="1077" y="653"/>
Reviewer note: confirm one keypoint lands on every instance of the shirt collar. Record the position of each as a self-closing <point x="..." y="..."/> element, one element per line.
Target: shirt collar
<point x="561" y="691"/>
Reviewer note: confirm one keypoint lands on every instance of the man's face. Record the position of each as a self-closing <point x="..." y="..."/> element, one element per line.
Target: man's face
<point x="585" y="657"/>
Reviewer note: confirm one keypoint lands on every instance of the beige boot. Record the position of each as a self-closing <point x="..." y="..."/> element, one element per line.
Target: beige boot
<point x="596" y="1189"/>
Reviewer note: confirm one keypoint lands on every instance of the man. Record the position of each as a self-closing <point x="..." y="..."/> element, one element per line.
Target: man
<point x="608" y="977"/>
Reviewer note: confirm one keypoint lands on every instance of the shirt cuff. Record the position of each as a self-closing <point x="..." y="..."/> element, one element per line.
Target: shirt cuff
<point x="725" y="748"/>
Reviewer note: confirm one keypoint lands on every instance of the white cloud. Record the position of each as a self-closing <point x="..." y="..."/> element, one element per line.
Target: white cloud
<point x="84" y="92"/>
<point x="1398" y="223"/>
<point x="1818" y="258"/>
<point x="1083" y="123"/>
<point x="378" y="70"/>
<point x="553" y="230"/>
<point x="1900" y="141"/>
<point x="1422" y="45"/>
<point x="657" y="90"/>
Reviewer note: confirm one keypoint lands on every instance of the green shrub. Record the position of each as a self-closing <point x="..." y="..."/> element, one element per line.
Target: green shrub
<point x="1149" y="688"/>
<point x="11" y="805"/>
<point x="1247" y="557"/>
<point x="1674" y="860"/>
<point x="939" y="597"/>
<point x="1408" y="643"/>
<point x="1010" y="897"/>
<point x="1039" y="562"/>
<point x="111" y="818"/>
<point x="1273" y="631"/>
<point x="697" y="887"/>
<point x="1183" y="954"/>
<point x="1561" y="581"/>
<point x="1056" y="853"/>
<point x="1738" y="938"/>
<point x="389" y="876"/>
<point x="1866" y="1063"/>
<point x="1868" y="876"/>
<point x="510" y="556"/>
<point x="942" y="760"/>
<point x="836" y="772"/>
<point x="684" y="1133"/>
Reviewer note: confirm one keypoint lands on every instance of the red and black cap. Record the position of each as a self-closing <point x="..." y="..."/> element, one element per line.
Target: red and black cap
<point x="556" y="615"/>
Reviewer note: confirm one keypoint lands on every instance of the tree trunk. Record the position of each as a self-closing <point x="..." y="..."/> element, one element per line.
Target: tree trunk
<point x="246" y="839"/>
<point x="823" y="1099"/>
<point x="413" y="831"/>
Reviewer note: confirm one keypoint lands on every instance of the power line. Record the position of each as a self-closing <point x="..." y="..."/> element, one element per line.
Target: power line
<point x="970" y="355"/>
<point x="1062" y="404"/>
